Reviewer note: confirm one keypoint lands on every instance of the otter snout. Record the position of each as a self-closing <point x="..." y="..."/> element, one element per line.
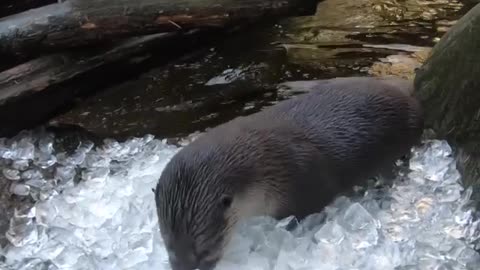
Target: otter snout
<point x="183" y="257"/>
<point x="189" y="262"/>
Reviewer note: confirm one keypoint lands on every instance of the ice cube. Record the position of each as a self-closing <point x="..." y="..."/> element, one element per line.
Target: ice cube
<point x="337" y="206"/>
<point x="11" y="174"/>
<point x="396" y="232"/>
<point x="45" y="144"/>
<point x="379" y="262"/>
<point x="310" y="224"/>
<point x="424" y="205"/>
<point x="287" y="223"/>
<point x="44" y="160"/>
<point x="78" y="157"/>
<point x="20" y="164"/>
<point x="279" y="239"/>
<point x="24" y="149"/>
<point x="103" y="247"/>
<point x="98" y="175"/>
<point x="135" y="145"/>
<point x="357" y="218"/>
<point x="96" y="160"/>
<point x="132" y="258"/>
<point x="22" y="231"/>
<point x="238" y="249"/>
<point x="5" y="151"/>
<point x="31" y="174"/>
<point x="114" y="149"/>
<point x="432" y="160"/>
<point x="46" y="193"/>
<point x="46" y="212"/>
<point x="325" y="255"/>
<point x="36" y="183"/>
<point x="469" y="258"/>
<point x="111" y="263"/>
<point x="360" y="226"/>
<point x="142" y="242"/>
<point x="288" y="260"/>
<point x="37" y="264"/>
<point x="19" y="189"/>
<point x="450" y="193"/>
<point x="330" y="233"/>
<point x="24" y="211"/>
<point x="65" y="174"/>
<point x="51" y="250"/>
<point x="68" y="257"/>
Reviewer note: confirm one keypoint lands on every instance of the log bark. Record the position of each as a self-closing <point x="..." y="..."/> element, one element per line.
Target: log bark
<point x="34" y="92"/>
<point x="82" y="22"/>
<point x="43" y="72"/>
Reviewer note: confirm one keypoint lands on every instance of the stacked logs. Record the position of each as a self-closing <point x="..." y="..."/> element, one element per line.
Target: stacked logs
<point x="50" y="45"/>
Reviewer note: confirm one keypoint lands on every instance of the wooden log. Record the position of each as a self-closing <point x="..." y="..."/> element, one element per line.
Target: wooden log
<point x="33" y="92"/>
<point x="43" y="72"/>
<point x="81" y="22"/>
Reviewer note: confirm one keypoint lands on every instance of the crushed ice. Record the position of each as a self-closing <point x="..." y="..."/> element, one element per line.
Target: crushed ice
<point x="94" y="209"/>
<point x="233" y="74"/>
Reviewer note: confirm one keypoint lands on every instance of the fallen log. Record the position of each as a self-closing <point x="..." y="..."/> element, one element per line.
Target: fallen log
<point x="43" y="72"/>
<point x="82" y="22"/>
<point x="35" y="91"/>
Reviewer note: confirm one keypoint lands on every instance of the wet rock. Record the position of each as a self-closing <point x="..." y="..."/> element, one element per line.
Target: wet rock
<point x="70" y="136"/>
<point x="448" y="86"/>
<point x="400" y="65"/>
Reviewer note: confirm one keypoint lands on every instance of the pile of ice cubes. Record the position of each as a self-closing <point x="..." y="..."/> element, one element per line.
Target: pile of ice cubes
<point x="94" y="209"/>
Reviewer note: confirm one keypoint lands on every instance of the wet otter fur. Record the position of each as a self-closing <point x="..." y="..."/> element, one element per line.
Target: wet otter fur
<point x="292" y="158"/>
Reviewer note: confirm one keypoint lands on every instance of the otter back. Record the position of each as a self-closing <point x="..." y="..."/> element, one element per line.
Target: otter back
<point x="336" y="136"/>
<point x="290" y="159"/>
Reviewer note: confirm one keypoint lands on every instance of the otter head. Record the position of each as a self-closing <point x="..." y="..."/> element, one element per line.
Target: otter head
<point x="200" y="197"/>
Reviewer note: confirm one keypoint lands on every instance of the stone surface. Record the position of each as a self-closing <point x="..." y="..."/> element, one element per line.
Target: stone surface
<point x="448" y="86"/>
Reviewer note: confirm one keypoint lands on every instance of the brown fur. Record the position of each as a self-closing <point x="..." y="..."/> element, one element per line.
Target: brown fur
<point x="290" y="159"/>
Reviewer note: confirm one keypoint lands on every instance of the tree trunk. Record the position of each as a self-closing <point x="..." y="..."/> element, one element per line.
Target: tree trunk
<point x="82" y="22"/>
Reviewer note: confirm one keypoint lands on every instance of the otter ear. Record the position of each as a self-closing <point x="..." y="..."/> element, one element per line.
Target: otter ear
<point x="226" y="201"/>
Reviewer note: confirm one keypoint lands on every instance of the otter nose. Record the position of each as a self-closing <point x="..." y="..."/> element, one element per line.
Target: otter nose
<point x="207" y="265"/>
<point x="186" y="262"/>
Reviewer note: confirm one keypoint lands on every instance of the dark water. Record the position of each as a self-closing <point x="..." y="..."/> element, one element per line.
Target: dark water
<point x="9" y="7"/>
<point x="344" y="38"/>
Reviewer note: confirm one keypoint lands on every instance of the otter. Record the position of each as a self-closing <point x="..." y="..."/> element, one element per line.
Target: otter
<point x="292" y="158"/>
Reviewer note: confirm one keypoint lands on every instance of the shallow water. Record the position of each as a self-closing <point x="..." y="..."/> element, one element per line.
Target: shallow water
<point x="94" y="208"/>
<point x="240" y="76"/>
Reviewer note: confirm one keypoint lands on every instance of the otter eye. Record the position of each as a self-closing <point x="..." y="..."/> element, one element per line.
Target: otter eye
<point x="226" y="201"/>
